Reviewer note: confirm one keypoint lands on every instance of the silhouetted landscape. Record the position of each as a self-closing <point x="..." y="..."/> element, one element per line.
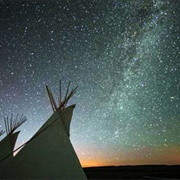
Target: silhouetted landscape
<point x="134" y="172"/>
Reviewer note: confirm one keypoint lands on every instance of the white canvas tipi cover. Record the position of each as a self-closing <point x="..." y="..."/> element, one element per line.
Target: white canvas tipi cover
<point x="7" y="144"/>
<point x="6" y="147"/>
<point x="49" y="154"/>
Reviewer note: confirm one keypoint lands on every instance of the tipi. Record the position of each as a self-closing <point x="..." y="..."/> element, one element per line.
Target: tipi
<point x="49" y="154"/>
<point x="7" y="144"/>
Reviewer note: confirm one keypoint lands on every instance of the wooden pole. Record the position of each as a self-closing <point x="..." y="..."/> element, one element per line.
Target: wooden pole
<point x="5" y="125"/>
<point x="53" y="100"/>
<point x="49" y="95"/>
<point x="67" y="91"/>
<point x="62" y="102"/>
<point x="60" y="93"/>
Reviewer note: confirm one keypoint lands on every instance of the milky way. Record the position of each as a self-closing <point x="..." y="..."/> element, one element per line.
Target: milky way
<point x="124" y="57"/>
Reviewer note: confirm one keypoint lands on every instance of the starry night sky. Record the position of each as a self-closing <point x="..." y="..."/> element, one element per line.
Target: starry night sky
<point x="124" y="57"/>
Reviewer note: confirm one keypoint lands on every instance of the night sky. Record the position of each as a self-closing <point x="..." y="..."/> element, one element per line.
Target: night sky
<point x="123" y="55"/>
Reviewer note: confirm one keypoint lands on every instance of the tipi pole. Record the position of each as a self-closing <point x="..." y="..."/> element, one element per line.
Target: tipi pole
<point x="50" y="99"/>
<point x="60" y="93"/>
<point x="62" y="102"/>
<point x="12" y="124"/>
<point x="1" y="132"/>
<point x="67" y="90"/>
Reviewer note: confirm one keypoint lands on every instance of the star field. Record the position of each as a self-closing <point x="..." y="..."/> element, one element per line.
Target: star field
<point x="124" y="57"/>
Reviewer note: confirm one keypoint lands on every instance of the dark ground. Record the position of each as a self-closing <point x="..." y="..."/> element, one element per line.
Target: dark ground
<point x="134" y="172"/>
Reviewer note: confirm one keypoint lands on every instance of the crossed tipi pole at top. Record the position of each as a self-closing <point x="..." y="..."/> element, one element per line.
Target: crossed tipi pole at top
<point x="62" y="102"/>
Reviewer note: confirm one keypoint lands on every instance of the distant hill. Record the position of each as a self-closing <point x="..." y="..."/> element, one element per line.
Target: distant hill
<point x="134" y="172"/>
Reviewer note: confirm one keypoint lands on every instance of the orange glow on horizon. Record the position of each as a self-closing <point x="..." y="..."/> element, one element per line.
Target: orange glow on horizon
<point x="160" y="156"/>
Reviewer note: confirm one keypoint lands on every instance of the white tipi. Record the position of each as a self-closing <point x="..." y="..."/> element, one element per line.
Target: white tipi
<point x="49" y="154"/>
<point x="7" y="144"/>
